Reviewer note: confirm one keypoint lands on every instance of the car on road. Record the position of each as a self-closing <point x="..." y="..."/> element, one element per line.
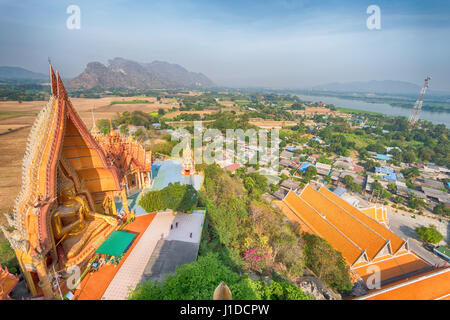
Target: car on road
<point x="429" y="247"/>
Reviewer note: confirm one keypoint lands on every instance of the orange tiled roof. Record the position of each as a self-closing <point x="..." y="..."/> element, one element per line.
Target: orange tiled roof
<point x="433" y="285"/>
<point x="396" y="241"/>
<point x="353" y="228"/>
<point x="323" y="228"/>
<point x="392" y="266"/>
<point x="292" y="216"/>
<point x="378" y="214"/>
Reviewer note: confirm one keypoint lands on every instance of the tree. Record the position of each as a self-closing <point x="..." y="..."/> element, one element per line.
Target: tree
<point x="441" y="209"/>
<point x="426" y="153"/>
<point x="310" y="173"/>
<point x="124" y="129"/>
<point x="376" y="186"/>
<point x="140" y="134"/>
<point x="392" y="187"/>
<point x="377" y="147"/>
<point x="409" y="157"/>
<point x="323" y="159"/>
<point x="348" y="180"/>
<point x="429" y="234"/>
<point x="198" y="280"/>
<point x="410" y="173"/>
<point x="327" y="263"/>
<point x="249" y="184"/>
<point x="8" y="257"/>
<point x="174" y="196"/>
<point x="414" y="202"/>
<point x="370" y="165"/>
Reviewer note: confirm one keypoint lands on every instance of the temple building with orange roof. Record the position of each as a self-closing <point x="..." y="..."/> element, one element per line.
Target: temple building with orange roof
<point x="71" y="179"/>
<point x="377" y="213"/>
<point x="364" y="240"/>
<point x="434" y="285"/>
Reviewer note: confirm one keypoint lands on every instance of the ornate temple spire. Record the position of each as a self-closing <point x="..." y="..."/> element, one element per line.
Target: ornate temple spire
<point x="188" y="164"/>
<point x="94" y="130"/>
<point x="53" y="81"/>
<point x="111" y="128"/>
<point x="62" y="94"/>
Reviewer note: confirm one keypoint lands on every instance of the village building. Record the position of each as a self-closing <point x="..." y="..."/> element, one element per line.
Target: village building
<point x="323" y="169"/>
<point x="286" y="155"/>
<point x="285" y="163"/>
<point x="290" y="185"/>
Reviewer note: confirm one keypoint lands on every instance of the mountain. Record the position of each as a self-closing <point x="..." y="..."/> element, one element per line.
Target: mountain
<point x="385" y="86"/>
<point x="18" y="73"/>
<point x="122" y="73"/>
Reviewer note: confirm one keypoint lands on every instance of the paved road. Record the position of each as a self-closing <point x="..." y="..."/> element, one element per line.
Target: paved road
<point x="404" y="226"/>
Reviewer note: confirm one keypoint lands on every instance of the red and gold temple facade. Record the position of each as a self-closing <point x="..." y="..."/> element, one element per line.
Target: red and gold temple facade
<point x="70" y="180"/>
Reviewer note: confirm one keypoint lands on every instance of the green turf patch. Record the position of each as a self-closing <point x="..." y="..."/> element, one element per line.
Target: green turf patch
<point x="14" y="114"/>
<point x="129" y="102"/>
<point x="116" y="244"/>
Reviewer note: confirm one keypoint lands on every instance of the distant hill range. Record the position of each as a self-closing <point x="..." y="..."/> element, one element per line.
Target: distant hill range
<point x="122" y="73"/>
<point x="385" y="86"/>
<point x="18" y="73"/>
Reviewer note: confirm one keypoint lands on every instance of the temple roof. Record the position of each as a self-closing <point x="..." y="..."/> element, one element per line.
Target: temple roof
<point x="357" y="236"/>
<point x="58" y="135"/>
<point x="433" y="285"/>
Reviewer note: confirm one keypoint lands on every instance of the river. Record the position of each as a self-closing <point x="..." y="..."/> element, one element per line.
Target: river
<point x="435" y="117"/>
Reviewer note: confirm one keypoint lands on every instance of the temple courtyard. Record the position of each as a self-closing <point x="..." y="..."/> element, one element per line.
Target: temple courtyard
<point x="163" y="241"/>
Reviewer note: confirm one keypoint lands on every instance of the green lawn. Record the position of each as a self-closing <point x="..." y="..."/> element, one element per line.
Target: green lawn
<point x="359" y="141"/>
<point x="242" y="102"/>
<point x="129" y="102"/>
<point x="14" y="114"/>
<point x="356" y="111"/>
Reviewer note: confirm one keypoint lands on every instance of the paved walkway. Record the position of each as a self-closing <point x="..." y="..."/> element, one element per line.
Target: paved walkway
<point x="167" y="256"/>
<point x="94" y="285"/>
<point x="187" y="224"/>
<point x="132" y="270"/>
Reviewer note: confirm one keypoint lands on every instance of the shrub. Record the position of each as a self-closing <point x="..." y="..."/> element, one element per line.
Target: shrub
<point x="198" y="280"/>
<point x="175" y="196"/>
<point x="327" y="263"/>
<point x="8" y="257"/>
<point x="429" y="234"/>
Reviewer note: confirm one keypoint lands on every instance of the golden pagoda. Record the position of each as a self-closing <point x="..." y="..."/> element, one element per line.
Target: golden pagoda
<point x="188" y="168"/>
<point x="70" y="180"/>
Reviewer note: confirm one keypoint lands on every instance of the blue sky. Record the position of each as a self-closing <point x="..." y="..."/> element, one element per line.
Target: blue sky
<point x="283" y="43"/>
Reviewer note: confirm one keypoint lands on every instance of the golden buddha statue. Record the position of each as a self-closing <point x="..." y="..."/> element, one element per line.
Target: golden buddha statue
<point x="74" y="224"/>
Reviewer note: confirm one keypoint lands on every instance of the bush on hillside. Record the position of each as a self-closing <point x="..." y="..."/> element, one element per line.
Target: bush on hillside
<point x="175" y="196"/>
<point x="327" y="263"/>
<point x="199" y="279"/>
